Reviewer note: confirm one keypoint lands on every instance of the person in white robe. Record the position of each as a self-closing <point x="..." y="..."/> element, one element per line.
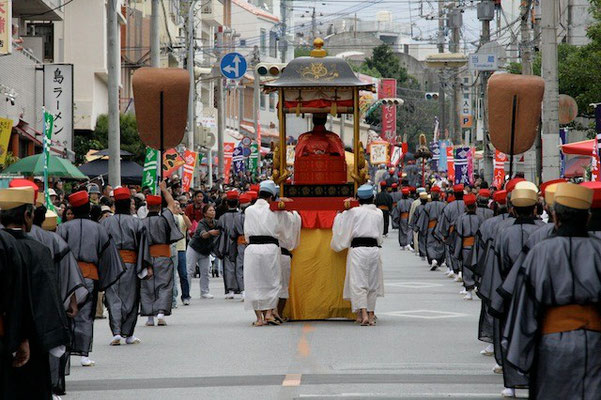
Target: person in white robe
<point x="263" y="229"/>
<point x="360" y="230"/>
<point x="289" y="240"/>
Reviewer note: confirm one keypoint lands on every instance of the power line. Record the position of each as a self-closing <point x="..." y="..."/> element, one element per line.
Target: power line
<point x="49" y="11"/>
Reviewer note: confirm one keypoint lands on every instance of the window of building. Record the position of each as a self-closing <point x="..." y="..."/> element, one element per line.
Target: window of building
<point x="466" y="80"/>
<point x="262" y="101"/>
<point x="273" y="44"/>
<point x="263" y="43"/>
<point x="242" y="42"/>
<point x="271" y="101"/>
<point x="466" y="96"/>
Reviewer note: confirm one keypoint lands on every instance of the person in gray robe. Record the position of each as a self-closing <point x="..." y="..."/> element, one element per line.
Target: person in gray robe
<point x="553" y="332"/>
<point x="445" y="229"/>
<point x="71" y="284"/>
<point x="467" y="226"/>
<point x="401" y="215"/>
<point x="238" y="234"/>
<point x="508" y="246"/>
<point x="227" y="247"/>
<point x="396" y="195"/>
<point x="414" y="224"/>
<point x="123" y="298"/>
<point x="156" y="294"/>
<point x="428" y="219"/>
<point x="100" y="265"/>
<point x="483" y="211"/>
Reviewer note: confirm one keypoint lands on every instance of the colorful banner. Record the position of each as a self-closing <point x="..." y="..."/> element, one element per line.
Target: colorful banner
<point x="188" y="175"/>
<point x="450" y="164"/>
<point x="6" y="126"/>
<point x="171" y="162"/>
<point x="238" y="160"/>
<point x="47" y="140"/>
<point x="597" y="150"/>
<point x="435" y="162"/>
<point x="378" y="152"/>
<point x="228" y="153"/>
<point x="6" y="27"/>
<point x="461" y="167"/>
<point x="563" y="139"/>
<point x="258" y="130"/>
<point x="498" y="179"/>
<point x="58" y="100"/>
<point x="442" y="150"/>
<point x="470" y="165"/>
<point x="397" y="155"/>
<point x="388" y="90"/>
<point x="149" y="176"/>
<point x="254" y="158"/>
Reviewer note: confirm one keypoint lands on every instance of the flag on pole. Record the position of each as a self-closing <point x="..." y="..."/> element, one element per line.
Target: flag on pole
<point x="188" y="175"/>
<point x="450" y="164"/>
<point x="461" y="166"/>
<point x="238" y="160"/>
<point x="149" y="176"/>
<point x="47" y="140"/>
<point x="254" y="158"/>
<point x="171" y="162"/>
<point x="435" y="162"/>
<point x="499" y="169"/>
<point x="6" y="126"/>
<point x="228" y="153"/>
<point x="563" y="139"/>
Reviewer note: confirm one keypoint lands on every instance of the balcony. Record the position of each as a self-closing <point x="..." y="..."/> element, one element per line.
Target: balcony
<point x="39" y="10"/>
<point x="212" y="12"/>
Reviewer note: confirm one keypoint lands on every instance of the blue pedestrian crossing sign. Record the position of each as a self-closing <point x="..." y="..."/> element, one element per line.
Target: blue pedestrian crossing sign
<point x="233" y="66"/>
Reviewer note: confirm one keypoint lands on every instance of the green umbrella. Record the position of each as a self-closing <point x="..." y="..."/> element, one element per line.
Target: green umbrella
<point x="34" y="166"/>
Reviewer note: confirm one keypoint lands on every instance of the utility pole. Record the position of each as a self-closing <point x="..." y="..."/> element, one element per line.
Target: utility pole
<point x="455" y="22"/>
<point x="284" y="34"/>
<point x="256" y="59"/>
<point x="113" y="61"/>
<point x="190" y="64"/>
<point x="485" y="14"/>
<point x="313" y="24"/>
<point x="441" y="95"/>
<point x="220" y="105"/>
<point x="155" y="45"/>
<point x="550" y="126"/>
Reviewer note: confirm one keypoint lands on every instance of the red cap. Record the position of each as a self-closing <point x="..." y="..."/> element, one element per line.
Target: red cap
<point x="17" y="183"/>
<point x="400" y="174"/>
<point x="458" y="188"/>
<point x="121" y="193"/>
<point x="412" y="189"/>
<point x="510" y="185"/>
<point x="596" y="187"/>
<point x="469" y="199"/>
<point x="232" y="195"/>
<point x="500" y="196"/>
<point x="394" y="185"/>
<point x="383" y="183"/>
<point x="405" y="190"/>
<point x="450" y="199"/>
<point x="255" y="188"/>
<point x="544" y="185"/>
<point x="484" y="193"/>
<point x="435" y="189"/>
<point x="79" y="199"/>
<point x="153" y="200"/>
<point x="253" y="194"/>
<point x="245" y="198"/>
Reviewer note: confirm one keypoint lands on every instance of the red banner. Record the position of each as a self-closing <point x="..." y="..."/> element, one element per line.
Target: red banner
<point x="171" y="162"/>
<point x="188" y="175"/>
<point x="499" y="173"/>
<point x="258" y="131"/>
<point x="228" y="153"/>
<point x="450" y="165"/>
<point x="388" y="90"/>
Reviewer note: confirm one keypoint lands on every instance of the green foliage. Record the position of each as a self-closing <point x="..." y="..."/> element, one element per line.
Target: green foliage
<point x="364" y="69"/>
<point x="304" y="51"/>
<point x="98" y="140"/>
<point x="387" y="64"/>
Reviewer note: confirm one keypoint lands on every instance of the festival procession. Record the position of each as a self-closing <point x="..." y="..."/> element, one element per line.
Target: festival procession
<point x="384" y="247"/>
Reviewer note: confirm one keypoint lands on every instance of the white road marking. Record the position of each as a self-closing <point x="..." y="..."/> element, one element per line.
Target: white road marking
<point x="292" y="380"/>
<point x="425" y="314"/>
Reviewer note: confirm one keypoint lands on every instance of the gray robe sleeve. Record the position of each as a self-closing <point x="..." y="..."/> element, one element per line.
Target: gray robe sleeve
<point x="110" y="266"/>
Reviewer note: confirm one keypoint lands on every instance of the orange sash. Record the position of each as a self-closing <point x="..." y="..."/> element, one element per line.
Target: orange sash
<point x="394" y="204"/>
<point x="241" y="239"/>
<point x="432" y="223"/>
<point x="129" y="256"/>
<point x="405" y="215"/>
<point x="451" y="229"/>
<point x="160" y="250"/>
<point x="88" y="270"/>
<point x="384" y="208"/>
<point x="571" y="317"/>
<point x="468" y="241"/>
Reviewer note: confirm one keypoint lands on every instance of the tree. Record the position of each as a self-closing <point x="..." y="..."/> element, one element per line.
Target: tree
<point x="130" y="140"/>
<point x="387" y="64"/>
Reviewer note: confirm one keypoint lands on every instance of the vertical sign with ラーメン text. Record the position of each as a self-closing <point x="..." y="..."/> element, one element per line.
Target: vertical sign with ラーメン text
<point x="58" y="101"/>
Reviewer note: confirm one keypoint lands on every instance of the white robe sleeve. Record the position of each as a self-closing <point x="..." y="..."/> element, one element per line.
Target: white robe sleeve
<point x="296" y="229"/>
<point x="380" y="227"/>
<point x="341" y="232"/>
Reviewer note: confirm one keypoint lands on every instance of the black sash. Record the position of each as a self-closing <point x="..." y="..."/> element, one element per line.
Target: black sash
<point x="364" y="242"/>
<point x="286" y="252"/>
<point x="263" y="240"/>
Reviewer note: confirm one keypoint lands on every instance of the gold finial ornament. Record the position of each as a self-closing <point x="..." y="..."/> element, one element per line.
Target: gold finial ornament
<point x="318" y="52"/>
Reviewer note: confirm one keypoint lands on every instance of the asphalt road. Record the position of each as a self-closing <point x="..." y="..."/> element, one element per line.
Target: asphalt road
<point x="423" y="347"/>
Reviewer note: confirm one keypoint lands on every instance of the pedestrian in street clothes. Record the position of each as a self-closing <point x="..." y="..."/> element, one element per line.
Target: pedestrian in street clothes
<point x="123" y="298"/>
<point x="384" y="203"/>
<point x="360" y="230"/>
<point x="156" y="294"/>
<point x="100" y="265"/>
<point x="262" y="265"/>
<point x="201" y="245"/>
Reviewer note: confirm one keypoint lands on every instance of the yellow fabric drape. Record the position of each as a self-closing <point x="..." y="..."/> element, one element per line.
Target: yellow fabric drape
<point x="317" y="279"/>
